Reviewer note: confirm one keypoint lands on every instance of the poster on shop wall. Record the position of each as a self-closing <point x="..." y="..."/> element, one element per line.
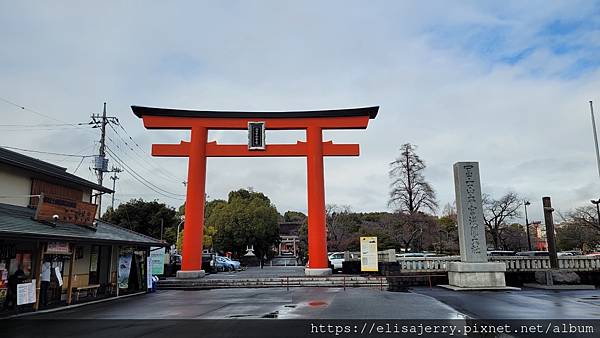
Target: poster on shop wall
<point x="124" y="268"/>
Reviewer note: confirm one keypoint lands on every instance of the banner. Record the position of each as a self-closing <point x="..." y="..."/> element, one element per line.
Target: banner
<point x="148" y="274"/>
<point x="58" y="276"/>
<point x="157" y="258"/>
<point x="368" y="254"/>
<point x="124" y="268"/>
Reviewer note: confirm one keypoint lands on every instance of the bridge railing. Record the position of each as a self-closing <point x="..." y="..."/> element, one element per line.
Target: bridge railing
<point x="513" y="263"/>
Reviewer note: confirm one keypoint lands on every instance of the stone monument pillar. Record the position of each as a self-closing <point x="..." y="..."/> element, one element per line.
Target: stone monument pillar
<point x="473" y="271"/>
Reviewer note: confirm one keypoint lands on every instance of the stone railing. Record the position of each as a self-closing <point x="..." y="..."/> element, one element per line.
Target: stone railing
<point x="513" y="263"/>
<point x="382" y="256"/>
<point x="426" y="264"/>
<point x="575" y="263"/>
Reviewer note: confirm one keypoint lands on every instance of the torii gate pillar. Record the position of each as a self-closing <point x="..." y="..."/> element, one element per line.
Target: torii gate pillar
<point x="195" y="202"/>
<point x="198" y="149"/>
<point x="317" y="233"/>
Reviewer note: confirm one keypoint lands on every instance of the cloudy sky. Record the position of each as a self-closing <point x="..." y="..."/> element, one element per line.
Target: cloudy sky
<point x="503" y="83"/>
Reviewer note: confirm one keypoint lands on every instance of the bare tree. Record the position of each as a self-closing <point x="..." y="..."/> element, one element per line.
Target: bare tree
<point x="342" y="227"/>
<point x="410" y="191"/>
<point x="571" y="236"/>
<point x="584" y="216"/>
<point x="399" y="229"/>
<point x="513" y="237"/>
<point x="417" y="232"/>
<point x="497" y="214"/>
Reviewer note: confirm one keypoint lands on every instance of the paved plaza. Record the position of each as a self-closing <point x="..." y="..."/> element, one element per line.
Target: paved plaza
<point x="337" y="303"/>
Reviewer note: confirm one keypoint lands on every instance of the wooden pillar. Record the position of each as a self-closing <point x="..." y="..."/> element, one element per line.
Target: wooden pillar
<point x="549" y="220"/>
<point x="70" y="282"/>
<point x="194" y="204"/>
<point x="317" y="234"/>
<point x="38" y="274"/>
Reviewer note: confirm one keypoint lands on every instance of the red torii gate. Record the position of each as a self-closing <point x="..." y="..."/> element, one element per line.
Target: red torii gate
<point x="198" y="149"/>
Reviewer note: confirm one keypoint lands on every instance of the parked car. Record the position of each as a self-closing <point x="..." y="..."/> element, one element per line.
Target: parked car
<point x="236" y="264"/>
<point x="226" y="264"/>
<point x="208" y="262"/>
<point x="174" y="264"/>
<point x="410" y="254"/>
<point x="533" y="253"/>
<point x="501" y="253"/>
<point x="593" y="254"/>
<point x="432" y="254"/>
<point x="565" y="253"/>
<point x="337" y="260"/>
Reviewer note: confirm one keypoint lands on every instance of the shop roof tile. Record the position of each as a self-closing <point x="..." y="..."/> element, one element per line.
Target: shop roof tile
<point x="16" y="221"/>
<point x="46" y="169"/>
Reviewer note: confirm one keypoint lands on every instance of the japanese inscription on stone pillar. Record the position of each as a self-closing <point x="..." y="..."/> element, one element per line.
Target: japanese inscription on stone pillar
<point x="471" y="227"/>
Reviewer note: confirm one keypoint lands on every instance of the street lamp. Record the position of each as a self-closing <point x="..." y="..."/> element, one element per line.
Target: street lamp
<point x="597" y="203"/>
<point x="527" y="203"/>
<point x="178" y="225"/>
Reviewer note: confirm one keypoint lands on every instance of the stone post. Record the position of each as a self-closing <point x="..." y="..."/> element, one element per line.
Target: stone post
<point x="473" y="271"/>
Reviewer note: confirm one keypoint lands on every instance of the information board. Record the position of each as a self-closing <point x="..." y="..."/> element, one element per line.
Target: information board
<point x="368" y="254"/>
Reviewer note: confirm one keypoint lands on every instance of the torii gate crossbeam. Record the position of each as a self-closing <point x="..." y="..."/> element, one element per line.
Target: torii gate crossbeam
<point x="198" y="149"/>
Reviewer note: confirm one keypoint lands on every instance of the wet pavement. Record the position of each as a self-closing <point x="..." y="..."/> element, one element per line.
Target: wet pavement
<point x="524" y="304"/>
<point x="297" y="303"/>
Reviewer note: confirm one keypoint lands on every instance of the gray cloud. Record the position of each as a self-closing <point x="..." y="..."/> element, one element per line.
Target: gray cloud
<point x="424" y="64"/>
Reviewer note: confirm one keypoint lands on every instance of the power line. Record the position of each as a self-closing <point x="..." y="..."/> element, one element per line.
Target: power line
<point x="45" y="115"/>
<point x="144" y="156"/>
<point x="79" y="165"/>
<point x="132" y="171"/>
<point x="148" y="186"/>
<point x="45" y="125"/>
<point x="46" y="152"/>
<point x="29" y="109"/>
<point x="141" y="179"/>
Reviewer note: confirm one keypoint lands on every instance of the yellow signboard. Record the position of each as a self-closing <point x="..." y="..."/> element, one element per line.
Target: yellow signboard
<point x="368" y="254"/>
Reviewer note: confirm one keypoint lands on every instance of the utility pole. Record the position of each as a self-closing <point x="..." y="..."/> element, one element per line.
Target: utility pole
<point x="595" y="137"/>
<point x="100" y="161"/>
<point x="162" y="226"/>
<point x="114" y="178"/>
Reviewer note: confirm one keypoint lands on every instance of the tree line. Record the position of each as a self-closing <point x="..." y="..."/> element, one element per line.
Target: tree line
<point x="249" y="219"/>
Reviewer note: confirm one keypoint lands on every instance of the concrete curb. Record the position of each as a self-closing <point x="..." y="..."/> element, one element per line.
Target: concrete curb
<point x="25" y="314"/>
